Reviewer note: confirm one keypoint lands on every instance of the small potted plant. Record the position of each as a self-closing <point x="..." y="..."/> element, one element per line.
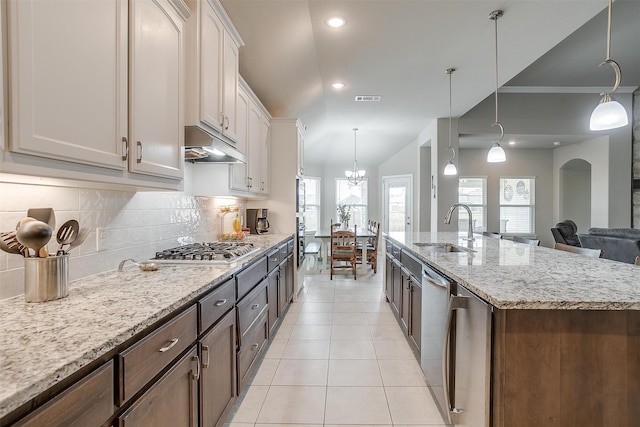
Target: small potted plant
<point x="344" y="213"/>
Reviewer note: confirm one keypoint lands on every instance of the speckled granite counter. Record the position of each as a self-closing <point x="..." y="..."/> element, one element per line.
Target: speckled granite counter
<point x="41" y="344"/>
<point x="517" y="276"/>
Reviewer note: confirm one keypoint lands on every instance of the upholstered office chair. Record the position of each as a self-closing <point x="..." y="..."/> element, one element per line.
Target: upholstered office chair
<point x="343" y="251"/>
<point x="492" y="235"/>
<point x="595" y="253"/>
<point x="532" y="242"/>
<point x="565" y="232"/>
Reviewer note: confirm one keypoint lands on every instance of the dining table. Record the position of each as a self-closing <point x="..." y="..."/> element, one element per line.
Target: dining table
<point x="324" y="235"/>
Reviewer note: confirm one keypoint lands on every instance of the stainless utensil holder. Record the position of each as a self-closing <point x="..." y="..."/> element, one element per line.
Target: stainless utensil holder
<point x="46" y="279"/>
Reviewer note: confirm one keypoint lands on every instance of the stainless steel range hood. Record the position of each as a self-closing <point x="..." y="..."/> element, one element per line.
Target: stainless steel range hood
<point x="201" y="146"/>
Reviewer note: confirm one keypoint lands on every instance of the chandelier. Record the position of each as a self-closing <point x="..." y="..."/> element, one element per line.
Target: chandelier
<point x="356" y="175"/>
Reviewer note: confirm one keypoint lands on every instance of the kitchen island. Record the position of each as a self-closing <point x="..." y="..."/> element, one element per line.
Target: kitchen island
<point x="43" y="346"/>
<point x="562" y="336"/>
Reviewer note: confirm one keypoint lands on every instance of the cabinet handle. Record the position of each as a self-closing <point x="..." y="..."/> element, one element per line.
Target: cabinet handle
<point x="455" y="303"/>
<point x="170" y="346"/>
<point x="220" y="303"/>
<point x="125" y="148"/>
<point x="250" y="182"/>
<point x="254" y="306"/>
<point x="262" y="187"/>
<point x="139" y="159"/>
<point x="205" y="362"/>
<point x="196" y="376"/>
<point x="226" y="122"/>
<point x="255" y="345"/>
<point x="222" y="119"/>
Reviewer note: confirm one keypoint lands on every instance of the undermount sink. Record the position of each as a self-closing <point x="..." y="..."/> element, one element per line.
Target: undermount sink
<point x="442" y="247"/>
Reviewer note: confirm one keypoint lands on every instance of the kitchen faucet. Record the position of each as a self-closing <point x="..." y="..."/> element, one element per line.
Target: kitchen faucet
<point x="447" y="219"/>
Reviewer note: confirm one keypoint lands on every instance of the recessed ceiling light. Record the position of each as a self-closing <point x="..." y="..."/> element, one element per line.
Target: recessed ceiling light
<point x="556" y="143"/>
<point x="512" y="143"/>
<point x="337" y="85"/>
<point x="336" y="21"/>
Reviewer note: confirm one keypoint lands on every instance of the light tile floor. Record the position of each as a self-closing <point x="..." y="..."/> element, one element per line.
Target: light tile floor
<point x="339" y="358"/>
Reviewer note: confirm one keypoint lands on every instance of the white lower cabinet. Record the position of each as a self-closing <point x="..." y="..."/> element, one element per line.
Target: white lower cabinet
<point x="98" y="87"/>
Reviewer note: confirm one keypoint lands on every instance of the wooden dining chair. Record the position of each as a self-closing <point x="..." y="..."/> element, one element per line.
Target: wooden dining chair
<point x="595" y="253"/>
<point x="492" y="235"/>
<point x="343" y="251"/>
<point x="532" y="242"/>
<point x="368" y="251"/>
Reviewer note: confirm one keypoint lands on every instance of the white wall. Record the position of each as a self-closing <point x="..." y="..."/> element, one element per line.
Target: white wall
<point x="575" y="194"/>
<point x="138" y="225"/>
<point x="535" y="163"/>
<point x="596" y="152"/>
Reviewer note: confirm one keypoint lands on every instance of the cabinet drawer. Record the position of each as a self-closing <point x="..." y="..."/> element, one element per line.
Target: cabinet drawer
<point x="250" y="276"/>
<point x="282" y="249"/>
<point x="216" y="304"/>
<point x="148" y="357"/>
<point x="89" y="402"/>
<point x="273" y="259"/>
<point x="411" y="263"/>
<point x="255" y="342"/>
<point x="171" y="401"/>
<point x="250" y="308"/>
<point x="290" y="247"/>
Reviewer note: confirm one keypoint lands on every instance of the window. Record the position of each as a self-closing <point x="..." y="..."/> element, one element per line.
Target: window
<point x="354" y="196"/>
<point x="472" y="191"/>
<point x="517" y="205"/>
<point x="312" y="204"/>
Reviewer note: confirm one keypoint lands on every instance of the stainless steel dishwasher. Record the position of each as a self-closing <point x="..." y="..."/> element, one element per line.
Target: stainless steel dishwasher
<point x="456" y="349"/>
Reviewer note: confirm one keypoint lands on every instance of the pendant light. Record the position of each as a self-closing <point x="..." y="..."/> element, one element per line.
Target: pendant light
<point x="496" y="154"/>
<point x="450" y="168"/>
<point x="609" y="114"/>
<point x="356" y="175"/>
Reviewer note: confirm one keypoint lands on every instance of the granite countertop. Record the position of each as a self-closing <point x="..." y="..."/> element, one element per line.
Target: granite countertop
<point x="43" y="343"/>
<point x="512" y="275"/>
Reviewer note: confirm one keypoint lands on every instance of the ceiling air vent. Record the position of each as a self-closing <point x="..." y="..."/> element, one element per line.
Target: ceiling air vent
<point x="367" y="98"/>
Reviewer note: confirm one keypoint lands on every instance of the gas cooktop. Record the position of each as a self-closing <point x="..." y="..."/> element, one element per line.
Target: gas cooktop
<point x="207" y="253"/>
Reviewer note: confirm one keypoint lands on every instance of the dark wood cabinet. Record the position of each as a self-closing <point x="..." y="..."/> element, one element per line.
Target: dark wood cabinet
<point x="405" y="304"/>
<point x="218" y="373"/>
<point x="415" y="315"/>
<point x="89" y="402"/>
<point x="253" y="344"/>
<point x="171" y="401"/>
<point x="396" y="288"/>
<point x="289" y="269"/>
<point x="272" y="298"/>
<point x="285" y="284"/>
<point x="388" y="278"/>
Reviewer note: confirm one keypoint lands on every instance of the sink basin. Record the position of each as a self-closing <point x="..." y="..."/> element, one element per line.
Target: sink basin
<point x="442" y="247"/>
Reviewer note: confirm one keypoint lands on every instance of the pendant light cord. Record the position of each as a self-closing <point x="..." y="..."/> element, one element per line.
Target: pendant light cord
<point x="450" y="71"/>
<point x="494" y="16"/>
<point x="609" y="34"/>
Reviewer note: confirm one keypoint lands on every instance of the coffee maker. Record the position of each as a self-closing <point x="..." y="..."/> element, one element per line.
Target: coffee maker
<point x="257" y="221"/>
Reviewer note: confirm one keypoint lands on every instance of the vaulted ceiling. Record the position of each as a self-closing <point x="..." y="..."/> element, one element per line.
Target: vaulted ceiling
<point x="400" y="49"/>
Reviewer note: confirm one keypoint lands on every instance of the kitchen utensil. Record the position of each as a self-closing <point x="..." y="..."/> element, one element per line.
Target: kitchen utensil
<point x="34" y="234"/>
<point x="67" y="233"/>
<point x="43" y="214"/>
<point x="46" y="215"/>
<point x="9" y="243"/>
<point x="82" y="235"/>
<point x="144" y="266"/>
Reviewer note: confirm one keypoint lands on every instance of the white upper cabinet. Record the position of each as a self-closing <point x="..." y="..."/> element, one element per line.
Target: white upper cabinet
<point x="238" y="173"/>
<point x="213" y="66"/>
<point x="98" y="86"/>
<point x="156" y="97"/>
<point x="265" y="156"/>
<point x="68" y="73"/>
<point x="300" y="148"/>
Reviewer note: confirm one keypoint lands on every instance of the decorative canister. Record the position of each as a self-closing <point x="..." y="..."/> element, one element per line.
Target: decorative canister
<point x="46" y="279"/>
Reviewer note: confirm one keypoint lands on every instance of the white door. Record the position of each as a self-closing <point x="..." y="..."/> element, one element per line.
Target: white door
<point x="398" y="203"/>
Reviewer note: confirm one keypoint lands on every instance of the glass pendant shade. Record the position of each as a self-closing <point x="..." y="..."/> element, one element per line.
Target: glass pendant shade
<point x="496" y="154"/>
<point x="609" y="114"/>
<point x="450" y="169"/>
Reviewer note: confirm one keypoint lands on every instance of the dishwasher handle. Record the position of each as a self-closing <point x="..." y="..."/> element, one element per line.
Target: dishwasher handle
<point x="456" y="302"/>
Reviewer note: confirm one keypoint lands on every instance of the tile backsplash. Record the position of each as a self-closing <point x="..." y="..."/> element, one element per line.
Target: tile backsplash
<point x="133" y="225"/>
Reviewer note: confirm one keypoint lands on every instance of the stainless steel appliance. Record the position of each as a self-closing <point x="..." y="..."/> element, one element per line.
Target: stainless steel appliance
<point x="456" y="353"/>
<point x="300" y="229"/>
<point x="257" y="221"/>
<point x="205" y="253"/>
<point x="300" y="195"/>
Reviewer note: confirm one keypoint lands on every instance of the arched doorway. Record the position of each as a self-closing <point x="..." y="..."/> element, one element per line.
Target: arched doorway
<point x="575" y="193"/>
